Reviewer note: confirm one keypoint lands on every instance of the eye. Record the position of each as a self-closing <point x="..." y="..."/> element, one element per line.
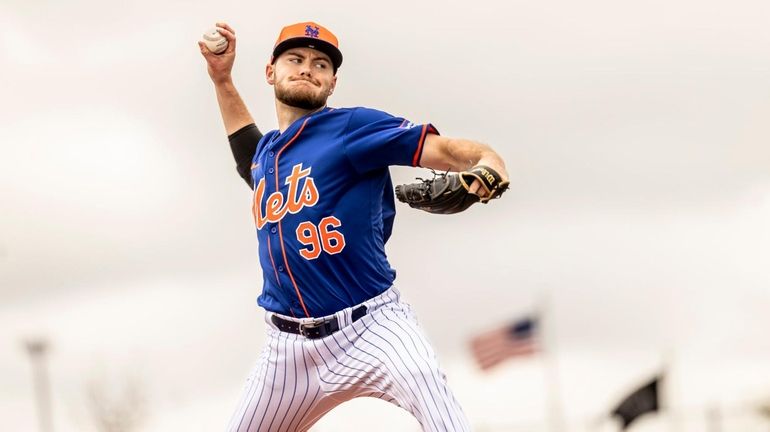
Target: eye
<point x="294" y="60"/>
<point x="321" y="65"/>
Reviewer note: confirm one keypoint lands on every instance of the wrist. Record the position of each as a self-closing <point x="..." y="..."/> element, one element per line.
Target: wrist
<point x="224" y="82"/>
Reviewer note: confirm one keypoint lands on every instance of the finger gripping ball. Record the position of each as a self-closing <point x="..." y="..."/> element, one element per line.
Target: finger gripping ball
<point x="214" y="41"/>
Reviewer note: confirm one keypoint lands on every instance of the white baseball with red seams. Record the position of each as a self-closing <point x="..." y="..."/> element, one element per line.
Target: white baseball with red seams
<point x="214" y="41"/>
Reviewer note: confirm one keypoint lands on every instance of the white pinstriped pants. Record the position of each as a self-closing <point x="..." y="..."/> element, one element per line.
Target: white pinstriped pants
<point x="384" y="355"/>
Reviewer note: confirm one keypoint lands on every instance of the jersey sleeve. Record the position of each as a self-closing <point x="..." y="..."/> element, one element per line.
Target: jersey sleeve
<point x="375" y="139"/>
<point x="243" y="144"/>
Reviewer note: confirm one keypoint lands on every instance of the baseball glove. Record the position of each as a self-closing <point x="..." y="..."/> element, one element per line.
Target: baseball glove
<point x="448" y="193"/>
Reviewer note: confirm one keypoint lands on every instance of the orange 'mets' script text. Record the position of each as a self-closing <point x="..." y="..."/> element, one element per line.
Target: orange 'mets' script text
<point x="276" y="206"/>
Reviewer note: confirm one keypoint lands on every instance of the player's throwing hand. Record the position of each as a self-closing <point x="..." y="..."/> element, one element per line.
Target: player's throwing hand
<point x="220" y="65"/>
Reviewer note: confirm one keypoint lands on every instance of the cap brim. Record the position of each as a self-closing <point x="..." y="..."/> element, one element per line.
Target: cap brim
<point x="301" y="42"/>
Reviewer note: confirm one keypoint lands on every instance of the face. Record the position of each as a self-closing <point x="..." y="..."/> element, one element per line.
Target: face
<point x="303" y="78"/>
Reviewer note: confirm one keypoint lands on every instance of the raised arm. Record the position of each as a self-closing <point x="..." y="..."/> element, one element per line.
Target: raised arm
<point x="241" y="131"/>
<point x="234" y="112"/>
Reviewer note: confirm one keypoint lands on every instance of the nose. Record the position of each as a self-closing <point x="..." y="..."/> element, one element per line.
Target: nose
<point x="305" y="70"/>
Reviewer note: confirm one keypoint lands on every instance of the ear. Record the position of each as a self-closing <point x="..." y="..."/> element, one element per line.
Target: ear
<point x="333" y="86"/>
<point x="270" y="74"/>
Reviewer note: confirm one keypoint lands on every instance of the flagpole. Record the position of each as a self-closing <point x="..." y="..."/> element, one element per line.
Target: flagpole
<point x="553" y="405"/>
<point x="38" y="350"/>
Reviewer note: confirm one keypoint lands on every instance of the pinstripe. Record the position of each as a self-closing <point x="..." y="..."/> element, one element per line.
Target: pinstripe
<point x="395" y="365"/>
<point x="456" y="411"/>
<point x="421" y="372"/>
<point x="413" y="371"/>
<point x="258" y="383"/>
<point x="325" y="404"/>
<point x="393" y="302"/>
<point x="336" y="359"/>
<point x="379" y="303"/>
<point x="306" y="426"/>
<point x="261" y="384"/>
<point x="283" y="388"/>
<point x="275" y="340"/>
<point x="356" y="378"/>
<point x="320" y="378"/>
<point x="307" y="385"/>
<point x="365" y="358"/>
<point x="383" y="303"/>
<point x="296" y="378"/>
<point x="366" y="381"/>
<point x="385" y="397"/>
<point x="398" y="386"/>
<point x="371" y="374"/>
<point x="411" y="328"/>
<point x="432" y="369"/>
<point x="244" y="401"/>
<point x="390" y="375"/>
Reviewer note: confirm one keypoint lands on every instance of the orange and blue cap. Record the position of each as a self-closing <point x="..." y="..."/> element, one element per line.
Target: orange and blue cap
<point x="308" y="35"/>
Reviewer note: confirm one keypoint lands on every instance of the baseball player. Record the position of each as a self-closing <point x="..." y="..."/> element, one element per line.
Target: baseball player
<point x="323" y="207"/>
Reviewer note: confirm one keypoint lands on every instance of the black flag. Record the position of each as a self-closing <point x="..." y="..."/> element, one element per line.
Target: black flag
<point x="641" y="401"/>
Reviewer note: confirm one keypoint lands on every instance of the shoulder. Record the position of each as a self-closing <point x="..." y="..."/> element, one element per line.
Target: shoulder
<point x="270" y="135"/>
<point x="370" y="114"/>
<point x="361" y="116"/>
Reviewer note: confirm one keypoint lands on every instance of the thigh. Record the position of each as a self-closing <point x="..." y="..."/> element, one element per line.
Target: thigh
<point x="281" y="391"/>
<point x="393" y="331"/>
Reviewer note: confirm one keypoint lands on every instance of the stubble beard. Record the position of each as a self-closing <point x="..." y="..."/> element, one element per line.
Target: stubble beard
<point x="305" y="100"/>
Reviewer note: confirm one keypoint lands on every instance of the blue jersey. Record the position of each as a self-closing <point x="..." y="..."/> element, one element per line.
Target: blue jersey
<point x="324" y="208"/>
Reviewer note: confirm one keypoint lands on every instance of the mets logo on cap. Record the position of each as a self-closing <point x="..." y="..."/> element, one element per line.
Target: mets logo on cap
<point x="311" y="31"/>
<point x="308" y="35"/>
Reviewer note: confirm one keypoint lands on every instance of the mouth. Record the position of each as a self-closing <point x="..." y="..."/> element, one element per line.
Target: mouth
<point x="305" y="82"/>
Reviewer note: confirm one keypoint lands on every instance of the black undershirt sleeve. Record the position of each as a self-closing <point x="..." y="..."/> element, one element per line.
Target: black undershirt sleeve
<point x="243" y="144"/>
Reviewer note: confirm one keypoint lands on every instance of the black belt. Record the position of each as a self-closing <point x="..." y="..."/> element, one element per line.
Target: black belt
<point x="313" y="330"/>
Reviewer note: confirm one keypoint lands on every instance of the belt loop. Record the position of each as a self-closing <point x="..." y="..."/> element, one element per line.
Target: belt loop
<point x="344" y="318"/>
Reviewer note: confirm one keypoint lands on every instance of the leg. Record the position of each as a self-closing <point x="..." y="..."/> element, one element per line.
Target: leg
<point x="281" y="390"/>
<point x="392" y="341"/>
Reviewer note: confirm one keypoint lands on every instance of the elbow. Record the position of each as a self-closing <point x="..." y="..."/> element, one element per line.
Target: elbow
<point x="437" y="153"/>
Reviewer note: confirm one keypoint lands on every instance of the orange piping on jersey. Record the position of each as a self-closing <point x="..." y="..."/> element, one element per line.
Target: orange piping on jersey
<point x="280" y="232"/>
<point x="416" y="158"/>
<point x="270" y="252"/>
<point x="254" y="206"/>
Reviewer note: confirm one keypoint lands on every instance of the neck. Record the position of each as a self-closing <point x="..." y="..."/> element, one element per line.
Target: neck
<point x="289" y="114"/>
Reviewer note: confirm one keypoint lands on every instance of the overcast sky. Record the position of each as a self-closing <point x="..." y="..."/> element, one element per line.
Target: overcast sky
<point x="637" y="139"/>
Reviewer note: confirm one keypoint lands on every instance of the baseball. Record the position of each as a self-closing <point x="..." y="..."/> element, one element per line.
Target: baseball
<point x="214" y="41"/>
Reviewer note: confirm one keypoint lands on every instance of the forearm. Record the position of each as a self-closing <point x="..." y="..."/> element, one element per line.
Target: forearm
<point x="464" y="154"/>
<point x="234" y="112"/>
<point x="456" y="154"/>
<point x="242" y="133"/>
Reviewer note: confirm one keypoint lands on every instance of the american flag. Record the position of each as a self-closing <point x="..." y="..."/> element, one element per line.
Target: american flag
<point x="512" y="340"/>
